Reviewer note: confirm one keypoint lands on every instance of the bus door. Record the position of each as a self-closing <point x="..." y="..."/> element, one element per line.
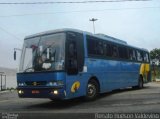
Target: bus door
<point x="74" y="64"/>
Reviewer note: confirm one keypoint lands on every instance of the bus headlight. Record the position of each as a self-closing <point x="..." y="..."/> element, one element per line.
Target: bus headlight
<point x="20" y="92"/>
<point x="55" y="92"/>
<point x="60" y="83"/>
<point x="21" y="84"/>
<point x="55" y="83"/>
<point x="51" y="83"/>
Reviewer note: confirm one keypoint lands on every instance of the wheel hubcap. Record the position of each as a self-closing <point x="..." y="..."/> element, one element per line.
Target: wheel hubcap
<point x="91" y="90"/>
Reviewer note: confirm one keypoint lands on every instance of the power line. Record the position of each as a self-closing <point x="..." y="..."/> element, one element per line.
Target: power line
<point x="11" y="34"/>
<point x="63" y="2"/>
<point x="62" y="12"/>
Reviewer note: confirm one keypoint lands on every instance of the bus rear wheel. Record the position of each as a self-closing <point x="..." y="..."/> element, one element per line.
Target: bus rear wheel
<point x="92" y="90"/>
<point x="140" y="83"/>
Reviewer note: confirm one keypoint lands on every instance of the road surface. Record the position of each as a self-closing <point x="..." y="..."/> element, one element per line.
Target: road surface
<point x="146" y="100"/>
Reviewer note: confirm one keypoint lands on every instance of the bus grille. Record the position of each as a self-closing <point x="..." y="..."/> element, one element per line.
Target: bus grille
<point x="36" y="83"/>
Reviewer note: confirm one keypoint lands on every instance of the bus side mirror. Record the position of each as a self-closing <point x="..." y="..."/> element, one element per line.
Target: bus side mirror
<point x="15" y="55"/>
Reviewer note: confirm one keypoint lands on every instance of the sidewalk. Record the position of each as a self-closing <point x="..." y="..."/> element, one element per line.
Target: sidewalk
<point x="7" y="91"/>
<point x="1" y="92"/>
<point x="6" y="95"/>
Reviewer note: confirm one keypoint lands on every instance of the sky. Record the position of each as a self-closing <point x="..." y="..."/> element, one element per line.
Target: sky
<point x="137" y="22"/>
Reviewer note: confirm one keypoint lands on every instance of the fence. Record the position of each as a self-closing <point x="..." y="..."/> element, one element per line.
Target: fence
<point x="3" y="81"/>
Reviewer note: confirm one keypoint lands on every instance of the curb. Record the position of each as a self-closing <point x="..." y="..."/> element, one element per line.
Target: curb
<point x="1" y="92"/>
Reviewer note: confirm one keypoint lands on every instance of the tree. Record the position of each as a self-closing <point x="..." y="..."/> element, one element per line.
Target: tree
<point x="155" y="54"/>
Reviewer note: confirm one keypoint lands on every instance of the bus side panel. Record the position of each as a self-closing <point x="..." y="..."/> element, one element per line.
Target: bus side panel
<point x="104" y="72"/>
<point x="76" y="85"/>
<point x="110" y="74"/>
<point x="113" y="74"/>
<point x="130" y="73"/>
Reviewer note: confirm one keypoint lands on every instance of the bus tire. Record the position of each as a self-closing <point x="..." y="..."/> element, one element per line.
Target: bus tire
<point x="92" y="90"/>
<point x="140" y="82"/>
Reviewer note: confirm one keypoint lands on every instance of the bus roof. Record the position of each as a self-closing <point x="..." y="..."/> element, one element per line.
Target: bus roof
<point x="54" y="31"/>
<point x="101" y="36"/>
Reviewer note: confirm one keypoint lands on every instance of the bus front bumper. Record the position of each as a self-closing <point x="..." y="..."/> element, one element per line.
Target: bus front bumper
<point x="39" y="92"/>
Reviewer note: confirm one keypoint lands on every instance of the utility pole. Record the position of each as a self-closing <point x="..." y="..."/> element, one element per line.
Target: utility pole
<point x="1" y="82"/>
<point x="1" y="74"/>
<point x="93" y="20"/>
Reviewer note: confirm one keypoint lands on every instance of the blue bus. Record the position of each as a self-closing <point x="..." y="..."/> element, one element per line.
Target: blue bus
<point x="69" y="63"/>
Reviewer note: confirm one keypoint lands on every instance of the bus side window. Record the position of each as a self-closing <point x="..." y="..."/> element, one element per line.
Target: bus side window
<point x="108" y="50"/>
<point x="100" y="50"/>
<point x="125" y="50"/>
<point x="104" y="48"/>
<point x="122" y="52"/>
<point x="146" y="58"/>
<point x="72" y="50"/>
<point x="139" y="56"/>
<point x="134" y="55"/>
<point x="114" y="51"/>
<point x="130" y="54"/>
<point x="91" y="43"/>
<point x="95" y="46"/>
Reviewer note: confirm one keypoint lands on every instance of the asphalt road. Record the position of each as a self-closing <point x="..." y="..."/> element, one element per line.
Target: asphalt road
<point x="146" y="100"/>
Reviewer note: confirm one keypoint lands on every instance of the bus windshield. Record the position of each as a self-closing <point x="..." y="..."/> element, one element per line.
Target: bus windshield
<point x="45" y="53"/>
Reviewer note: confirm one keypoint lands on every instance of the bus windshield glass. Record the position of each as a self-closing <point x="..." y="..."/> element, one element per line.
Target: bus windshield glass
<point x="45" y="53"/>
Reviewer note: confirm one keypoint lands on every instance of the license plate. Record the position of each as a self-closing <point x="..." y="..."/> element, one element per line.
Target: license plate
<point x="35" y="92"/>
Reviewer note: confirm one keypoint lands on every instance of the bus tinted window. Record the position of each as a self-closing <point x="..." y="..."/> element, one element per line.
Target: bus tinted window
<point x="146" y="57"/>
<point x="95" y="46"/>
<point x="114" y="50"/>
<point x="132" y="54"/>
<point x="99" y="46"/>
<point x="139" y="56"/>
<point x="108" y="51"/>
<point x="123" y="52"/>
<point x="91" y="46"/>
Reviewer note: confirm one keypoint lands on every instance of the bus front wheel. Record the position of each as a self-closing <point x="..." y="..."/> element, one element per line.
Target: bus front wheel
<point x="92" y="90"/>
